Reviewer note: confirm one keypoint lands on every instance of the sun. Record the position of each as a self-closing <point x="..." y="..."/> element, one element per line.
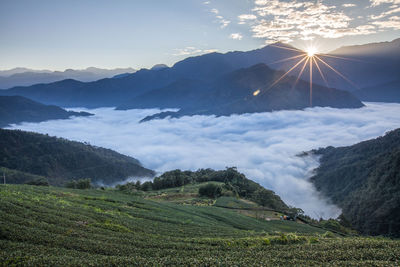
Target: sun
<point x="308" y="57"/>
<point x="311" y="51"/>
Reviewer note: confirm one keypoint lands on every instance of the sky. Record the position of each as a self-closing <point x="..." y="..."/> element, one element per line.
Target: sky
<point x="263" y="146"/>
<point x="61" y="34"/>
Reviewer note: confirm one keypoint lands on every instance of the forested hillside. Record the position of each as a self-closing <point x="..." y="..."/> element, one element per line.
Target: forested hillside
<point x="364" y="180"/>
<point x="60" y="160"/>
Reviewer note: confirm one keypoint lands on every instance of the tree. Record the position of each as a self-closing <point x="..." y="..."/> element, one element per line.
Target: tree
<point x="210" y="190"/>
<point x="79" y="184"/>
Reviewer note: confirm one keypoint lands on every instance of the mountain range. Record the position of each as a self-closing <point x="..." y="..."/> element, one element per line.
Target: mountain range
<point x="364" y="181"/>
<point x="17" y="109"/>
<point x="27" y="77"/>
<point x="247" y="90"/>
<point x="195" y="79"/>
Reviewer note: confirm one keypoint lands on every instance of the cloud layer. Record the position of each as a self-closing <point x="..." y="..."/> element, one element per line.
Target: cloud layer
<point x="288" y="20"/>
<point x="263" y="146"/>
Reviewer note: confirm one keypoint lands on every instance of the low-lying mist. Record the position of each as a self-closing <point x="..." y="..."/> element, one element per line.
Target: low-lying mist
<point x="263" y="146"/>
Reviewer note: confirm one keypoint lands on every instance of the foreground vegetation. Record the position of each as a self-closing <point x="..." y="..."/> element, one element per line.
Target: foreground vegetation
<point x="64" y="227"/>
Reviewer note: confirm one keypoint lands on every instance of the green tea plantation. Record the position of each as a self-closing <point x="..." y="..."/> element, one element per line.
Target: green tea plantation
<point x="50" y="226"/>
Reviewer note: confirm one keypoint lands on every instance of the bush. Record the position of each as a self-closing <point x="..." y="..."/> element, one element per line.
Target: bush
<point x="39" y="182"/>
<point x="79" y="184"/>
<point x="329" y="234"/>
<point x="210" y="190"/>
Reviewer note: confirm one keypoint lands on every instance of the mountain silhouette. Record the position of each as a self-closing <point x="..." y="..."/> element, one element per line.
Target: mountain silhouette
<point x="27" y="77"/>
<point x="246" y="90"/>
<point x="16" y="109"/>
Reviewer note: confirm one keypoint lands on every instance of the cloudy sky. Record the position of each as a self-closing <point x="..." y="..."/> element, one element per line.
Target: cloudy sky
<point x="48" y="34"/>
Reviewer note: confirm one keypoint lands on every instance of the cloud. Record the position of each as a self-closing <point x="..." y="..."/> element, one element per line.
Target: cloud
<point x="220" y="19"/>
<point x="246" y="17"/>
<point x="393" y="10"/>
<point x="262" y="145"/>
<point x="349" y="5"/>
<point x="236" y="36"/>
<point x="224" y="22"/>
<point x="206" y="2"/>
<point x="288" y="20"/>
<point x="191" y="50"/>
<point x="391" y="23"/>
<point x="215" y="11"/>
<point x="380" y="2"/>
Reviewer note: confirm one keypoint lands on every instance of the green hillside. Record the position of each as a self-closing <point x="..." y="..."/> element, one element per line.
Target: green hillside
<point x="59" y="160"/>
<point x="229" y="182"/>
<point x="364" y="180"/>
<point x="68" y="227"/>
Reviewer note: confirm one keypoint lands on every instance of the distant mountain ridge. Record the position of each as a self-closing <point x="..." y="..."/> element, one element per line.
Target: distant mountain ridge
<point x="246" y="90"/>
<point x="366" y="65"/>
<point x="388" y="92"/>
<point x="114" y="92"/>
<point x="363" y="70"/>
<point x="17" y="109"/>
<point x="364" y="180"/>
<point x="26" y="155"/>
<point x="27" y="77"/>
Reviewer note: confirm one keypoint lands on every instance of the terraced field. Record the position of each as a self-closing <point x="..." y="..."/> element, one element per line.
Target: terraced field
<point x="66" y="227"/>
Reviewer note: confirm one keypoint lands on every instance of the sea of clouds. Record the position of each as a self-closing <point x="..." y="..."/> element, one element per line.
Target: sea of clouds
<point x="263" y="146"/>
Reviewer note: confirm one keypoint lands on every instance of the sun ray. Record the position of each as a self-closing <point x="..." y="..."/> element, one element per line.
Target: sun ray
<point x="311" y="78"/>
<point x="287" y="48"/>
<point x="344" y="58"/>
<point x="284" y="75"/>
<point x="320" y="72"/>
<point x="337" y="72"/>
<point x="301" y="72"/>
<point x="286" y="59"/>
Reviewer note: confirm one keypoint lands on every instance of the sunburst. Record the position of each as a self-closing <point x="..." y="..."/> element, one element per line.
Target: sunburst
<point x="310" y="58"/>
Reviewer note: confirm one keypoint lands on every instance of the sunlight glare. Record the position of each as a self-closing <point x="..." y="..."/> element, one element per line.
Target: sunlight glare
<point x="311" y="51"/>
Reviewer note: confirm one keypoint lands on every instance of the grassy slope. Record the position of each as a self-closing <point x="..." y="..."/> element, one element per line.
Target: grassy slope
<point x="56" y="226"/>
<point x="188" y="194"/>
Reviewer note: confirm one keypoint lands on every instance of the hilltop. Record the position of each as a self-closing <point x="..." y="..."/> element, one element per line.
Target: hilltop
<point x="227" y="183"/>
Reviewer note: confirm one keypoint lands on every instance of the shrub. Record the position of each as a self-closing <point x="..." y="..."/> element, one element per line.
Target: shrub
<point x="79" y="184"/>
<point x="39" y="182"/>
<point x="329" y="234"/>
<point x="266" y="241"/>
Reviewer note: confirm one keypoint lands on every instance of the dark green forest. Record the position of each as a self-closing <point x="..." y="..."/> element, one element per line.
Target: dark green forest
<point x="364" y="180"/>
<point x="26" y="156"/>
